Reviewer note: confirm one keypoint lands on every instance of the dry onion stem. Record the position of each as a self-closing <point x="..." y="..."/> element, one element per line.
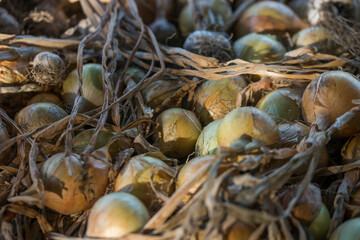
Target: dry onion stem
<point x="209" y="207"/>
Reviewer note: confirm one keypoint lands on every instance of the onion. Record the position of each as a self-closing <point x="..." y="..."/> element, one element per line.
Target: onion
<point x="311" y="36"/>
<point x="258" y="48"/>
<point x="214" y="99"/>
<point x="307" y="207"/>
<point x="328" y="97"/>
<point x="190" y="169"/>
<point x="48" y="69"/>
<point x="351" y="150"/>
<point x="292" y="133"/>
<point x="268" y="16"/>
<point x="207" y="141"/>
<point x="240" y="231"/>
<point x="39" y="114"/>
<point x="177" y="132"/>
<point x="219" y="9"/>
<point x="69" y="194"/>
<point x="116" y="215"/>
<point x="45" y="97"/>
<point x="300" y="7"/>
<point x="135" y="178"/>
<point x="159" y="90"/>
<point x="209" y="44"/>
<point x="251" y="121"/>
<point x="4" y="136"/>
<point x="282" y="105"/>
<point x="92" y="88"/>
<point x="321" y="224"/>
<point x="348" y="230"/>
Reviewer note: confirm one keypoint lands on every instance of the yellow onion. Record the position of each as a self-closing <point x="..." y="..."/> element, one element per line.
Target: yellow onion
<point x="319" y="227"/>
<point x="268" y="16"/>
<point x="92" y="88"/>
<point x="209" y="44"/>
<point x="45" y="97"/>
<point x="258" y="48"/>
<point x="328" y="97"/>
<point x="207" y="141"/>
<point x="135" y="178"/>
<point x="177" y="132"/>
<point x="351" y="150"/>
<point x="220" y="9"/>
<point x="308" y="206"/>
<point x="190" y="169"/>
<point x="292" y="133"/>
<point x="69" y="194"/>
<point x="348" y="230"/>
<point x="214" y="99"/>
<point x="4" y="136"/>
<point x="251" y="121"/>
<point x="159" y="90"/>
<point x="39" y="114"/>
<point x="282" y="105"/>
<point x="115" y="215"/>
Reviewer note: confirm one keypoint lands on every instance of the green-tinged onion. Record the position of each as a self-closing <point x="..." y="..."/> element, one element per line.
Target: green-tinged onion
<point x="116" y="215"/>
<point x="321" y="224"/>
<point x="207" y="141"/>
<point x="348" y="230"/>
<point x="92" y="88"/>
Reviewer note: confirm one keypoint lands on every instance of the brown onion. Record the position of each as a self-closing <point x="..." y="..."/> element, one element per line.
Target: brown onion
<point x="177" y="132"/>
<point x="328" y="97"/>
<point x="135" y="178"/>
<point x="69" y="194"/>
<point x="268" y="16"/>
<point x="116" y="215"/>
<point x="251" y="121"/>
<point x="214" y="99"/>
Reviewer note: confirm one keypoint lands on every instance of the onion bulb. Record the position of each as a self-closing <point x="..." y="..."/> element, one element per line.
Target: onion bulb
<point x="69" y="194"/>
<point x="209" y="44"/>
<point x="45" y="97"/>
<point x="207" y="141"/>
<point x="308" y="206"/>
<point x="258" y="48"/>
<point x="351" y="150"/>
<point x="319" y="227"/>
<point x="282" y="105"/>
<point x="310" y="36"/>
<point x="39" y="114"/>
<point x="4" y="136"/>
<point x="215" y="13"/>
<point x="247" y="120"/>
<point x="135" y="178"/>
<point x="190" y="169"/>
<point x="177" y="132"/>
<point x="348" y="230"/>
<point x="92" y="88"/>
<point x="240" y="231"/>
<point x="115" y="215"/>
<point x="268" y="16"/>
<point x="48" y="69"/>
<point x="328" y="97"/>
<point x="214" y="99"/>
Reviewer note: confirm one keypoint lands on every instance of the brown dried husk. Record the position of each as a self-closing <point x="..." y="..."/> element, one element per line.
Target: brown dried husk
<point x="222" y="199"/>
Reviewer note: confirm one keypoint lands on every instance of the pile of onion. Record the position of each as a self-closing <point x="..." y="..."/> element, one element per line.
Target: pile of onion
<point x="69" y="193"/>
<point x="115" y="215"/>
<point x="177" y="132"/>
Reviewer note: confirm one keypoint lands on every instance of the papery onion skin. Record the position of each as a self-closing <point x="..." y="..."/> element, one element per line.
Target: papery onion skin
<point x="251" y="121"/>
<point x="348" y="230"/>
<point x="177" y="132"/>
<point x="115" y="215"/>
<point x="207" y="141"/>
<point x="280" y="106"/>
<point x="328" y="97"/>
<point x="321" y="224"/>
<point x="39" y="114"/>
<point x="135" y="178"/>
<point x="92" y="88"/>
<point x="67" y="194"/>
<point x="351" y="150"/>
<point x="214" y="99"/>
<point x="268" y="16"/>
<point x="258" y="48"/>
<point x="292" y="133"/>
